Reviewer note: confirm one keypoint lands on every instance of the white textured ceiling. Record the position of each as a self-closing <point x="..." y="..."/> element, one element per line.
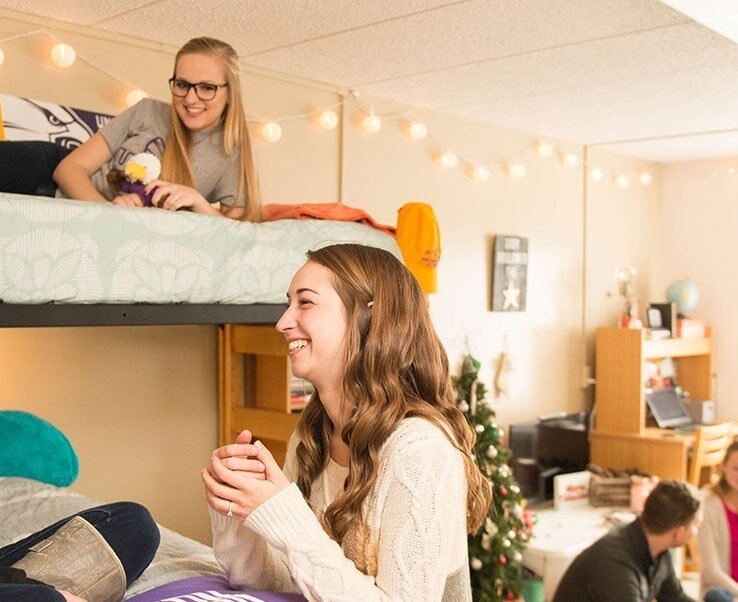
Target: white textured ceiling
<point x="636" y="76"/>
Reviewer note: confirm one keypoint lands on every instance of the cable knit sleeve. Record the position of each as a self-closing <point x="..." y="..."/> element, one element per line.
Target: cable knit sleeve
<point x="246" y="558"/>
<point x="415" y="536"/>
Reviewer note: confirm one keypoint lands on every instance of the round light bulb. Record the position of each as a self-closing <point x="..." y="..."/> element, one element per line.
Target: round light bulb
<point x="479" y="173"/>
<point x="2" y="56"/>
<point x="544" y="150"/>
<point x="371" y="124"/>
<point x="621" y="181"/>
<point x="516" y="170"/>
<point x="417" y="130"/>
<point x="328" y="119"/>
<point x="448" y="160"/>
<point x="63" y="55"/>
<point x="134" y="96"/>
<point x="271" y="131"/>
<point x="645" y="178"/>
<point x="596" y="174"/>
<point x="570" y="160"/>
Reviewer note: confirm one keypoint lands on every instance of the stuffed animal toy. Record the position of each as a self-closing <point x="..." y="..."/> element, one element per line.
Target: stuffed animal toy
<point x="139" y="170"/>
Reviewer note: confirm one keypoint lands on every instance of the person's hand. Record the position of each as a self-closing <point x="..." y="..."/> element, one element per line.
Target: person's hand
<point x="128" y="200"/>
<point x="240" y="456"/>
<point x="235" y="491"/>
<point x="175" y="196"/>
<point x="71" y="597"/>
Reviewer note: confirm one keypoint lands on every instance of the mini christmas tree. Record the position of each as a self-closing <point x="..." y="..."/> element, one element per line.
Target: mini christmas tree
<point x="495" y="552"/>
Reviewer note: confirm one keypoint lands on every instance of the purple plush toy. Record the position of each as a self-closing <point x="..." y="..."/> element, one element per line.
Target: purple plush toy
<point x="140" y="169"/>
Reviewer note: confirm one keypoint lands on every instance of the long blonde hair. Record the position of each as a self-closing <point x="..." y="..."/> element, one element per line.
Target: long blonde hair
<point x="176" y="161"/>
<point x="396" y="368"/>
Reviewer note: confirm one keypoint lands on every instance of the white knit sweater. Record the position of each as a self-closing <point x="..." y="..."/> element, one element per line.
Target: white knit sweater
<point x="414" y="546"/>
<point x="713" y="544"/>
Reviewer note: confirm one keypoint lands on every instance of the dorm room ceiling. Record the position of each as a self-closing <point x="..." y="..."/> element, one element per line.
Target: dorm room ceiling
<point x="637" y="77"/>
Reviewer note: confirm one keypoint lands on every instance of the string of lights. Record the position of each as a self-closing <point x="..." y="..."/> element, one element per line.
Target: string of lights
<point x="64" y="56"/>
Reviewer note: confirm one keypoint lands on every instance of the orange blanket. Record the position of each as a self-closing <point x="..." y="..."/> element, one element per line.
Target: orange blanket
<point x="332" y="211"/>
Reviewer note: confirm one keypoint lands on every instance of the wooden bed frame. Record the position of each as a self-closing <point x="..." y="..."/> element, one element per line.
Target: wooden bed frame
<point x="253" y="369"/>
<point x="139" y="314"/>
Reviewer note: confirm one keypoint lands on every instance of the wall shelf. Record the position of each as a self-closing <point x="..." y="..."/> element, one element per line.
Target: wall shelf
<point x="254" y="386"/>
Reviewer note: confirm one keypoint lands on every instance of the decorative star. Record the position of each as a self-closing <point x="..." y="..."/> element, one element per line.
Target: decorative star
<point x="511" y="294"/>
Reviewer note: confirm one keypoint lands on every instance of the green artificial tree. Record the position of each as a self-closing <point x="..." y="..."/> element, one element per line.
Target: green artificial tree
<point x="495" y="551"/>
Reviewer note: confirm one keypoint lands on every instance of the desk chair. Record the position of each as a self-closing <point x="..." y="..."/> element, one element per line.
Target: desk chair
<point x="710" y="444"/>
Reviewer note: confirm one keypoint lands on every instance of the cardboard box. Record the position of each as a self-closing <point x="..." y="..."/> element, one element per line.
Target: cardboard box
<point x="571" y="489"/>
<point x="688" y="328"/>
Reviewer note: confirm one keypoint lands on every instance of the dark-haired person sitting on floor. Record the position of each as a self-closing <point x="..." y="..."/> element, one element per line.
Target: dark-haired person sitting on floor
<point x="632" y="563"/>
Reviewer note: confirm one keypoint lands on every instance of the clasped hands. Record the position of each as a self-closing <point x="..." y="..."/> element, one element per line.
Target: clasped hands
<point x="241" y="476"/>
<point x="164" y="195"/>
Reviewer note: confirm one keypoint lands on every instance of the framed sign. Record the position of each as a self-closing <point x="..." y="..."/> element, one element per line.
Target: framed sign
<point x="509" y="273"/>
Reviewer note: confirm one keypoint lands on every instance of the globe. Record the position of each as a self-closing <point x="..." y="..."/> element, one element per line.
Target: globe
<point x="683" y="293"/>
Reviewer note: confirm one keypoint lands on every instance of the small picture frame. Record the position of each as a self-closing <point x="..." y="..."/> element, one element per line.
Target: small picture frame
<point x="662" y="316"/>
<point x="653" y="314"/>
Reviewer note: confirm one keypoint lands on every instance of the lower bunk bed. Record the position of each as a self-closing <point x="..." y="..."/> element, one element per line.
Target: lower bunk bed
<point x="183" y="569"/>
<point x="38" y="464"/>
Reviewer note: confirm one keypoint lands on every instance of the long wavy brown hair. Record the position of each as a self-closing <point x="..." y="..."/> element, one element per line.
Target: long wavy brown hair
<point x="721" y="486"/>
<point x="396" y="368"/>
<point x="175" y="164"/>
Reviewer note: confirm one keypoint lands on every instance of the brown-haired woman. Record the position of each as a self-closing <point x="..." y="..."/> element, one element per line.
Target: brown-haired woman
<point x="379" y="488"/>
<point x="207" y="164"/>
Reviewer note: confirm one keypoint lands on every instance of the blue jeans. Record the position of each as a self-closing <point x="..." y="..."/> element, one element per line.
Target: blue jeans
<point x="718" y="594"/>
<point x="127" y="527"/>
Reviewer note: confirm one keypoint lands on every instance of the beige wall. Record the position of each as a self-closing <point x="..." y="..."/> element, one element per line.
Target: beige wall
<point x="140" y="403"/>
<point x="698" y="223"/>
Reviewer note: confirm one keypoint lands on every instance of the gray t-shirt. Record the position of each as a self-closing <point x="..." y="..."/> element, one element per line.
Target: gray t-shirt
<point x="144" y="128"/>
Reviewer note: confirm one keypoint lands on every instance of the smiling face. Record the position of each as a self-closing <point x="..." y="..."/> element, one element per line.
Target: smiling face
<point x="200" y="115"/>
<point x="315" y="326"/>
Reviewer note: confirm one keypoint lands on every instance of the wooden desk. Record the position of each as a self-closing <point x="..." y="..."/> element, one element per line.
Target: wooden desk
<point x="662" y="452"/>
<point x="621" y="438"/>
<point x="659" y="451"/>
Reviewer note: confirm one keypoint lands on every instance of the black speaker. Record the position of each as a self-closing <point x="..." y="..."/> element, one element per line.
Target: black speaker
<point x="522" y="439"/>
<point x="522" y="442"/>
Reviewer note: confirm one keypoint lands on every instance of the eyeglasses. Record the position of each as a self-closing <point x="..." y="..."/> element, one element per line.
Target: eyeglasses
<point x="203" y="91"/>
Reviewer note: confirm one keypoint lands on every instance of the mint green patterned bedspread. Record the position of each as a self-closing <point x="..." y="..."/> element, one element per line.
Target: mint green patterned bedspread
<point x="56" y="250"/>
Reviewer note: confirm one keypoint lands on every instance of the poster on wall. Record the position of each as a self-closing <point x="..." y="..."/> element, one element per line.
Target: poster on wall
<point x="509" y="273"/>
<point x="26" y="119"/>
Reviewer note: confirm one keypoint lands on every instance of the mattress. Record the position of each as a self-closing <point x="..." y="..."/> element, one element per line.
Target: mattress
<point x="63" y="251"/>
<point x="27" y="506"/>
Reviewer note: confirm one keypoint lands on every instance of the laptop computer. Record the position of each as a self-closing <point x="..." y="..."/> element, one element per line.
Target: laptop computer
<point x="668" y="409"/>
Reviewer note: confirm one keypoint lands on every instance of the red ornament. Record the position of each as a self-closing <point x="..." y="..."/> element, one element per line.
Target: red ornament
<point x="503" y="491"/>
<point x="502" y="559"/>
<point x="510" y="596"/>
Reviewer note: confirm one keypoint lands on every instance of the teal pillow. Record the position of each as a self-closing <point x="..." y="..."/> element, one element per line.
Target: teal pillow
<point x="35" y="449"/>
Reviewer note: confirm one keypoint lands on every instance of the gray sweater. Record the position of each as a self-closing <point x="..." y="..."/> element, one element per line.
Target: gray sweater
<point x="713" y="543"/>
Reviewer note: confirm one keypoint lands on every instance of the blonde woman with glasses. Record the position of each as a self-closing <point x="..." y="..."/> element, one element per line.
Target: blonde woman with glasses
<point x="201" y="139"/>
